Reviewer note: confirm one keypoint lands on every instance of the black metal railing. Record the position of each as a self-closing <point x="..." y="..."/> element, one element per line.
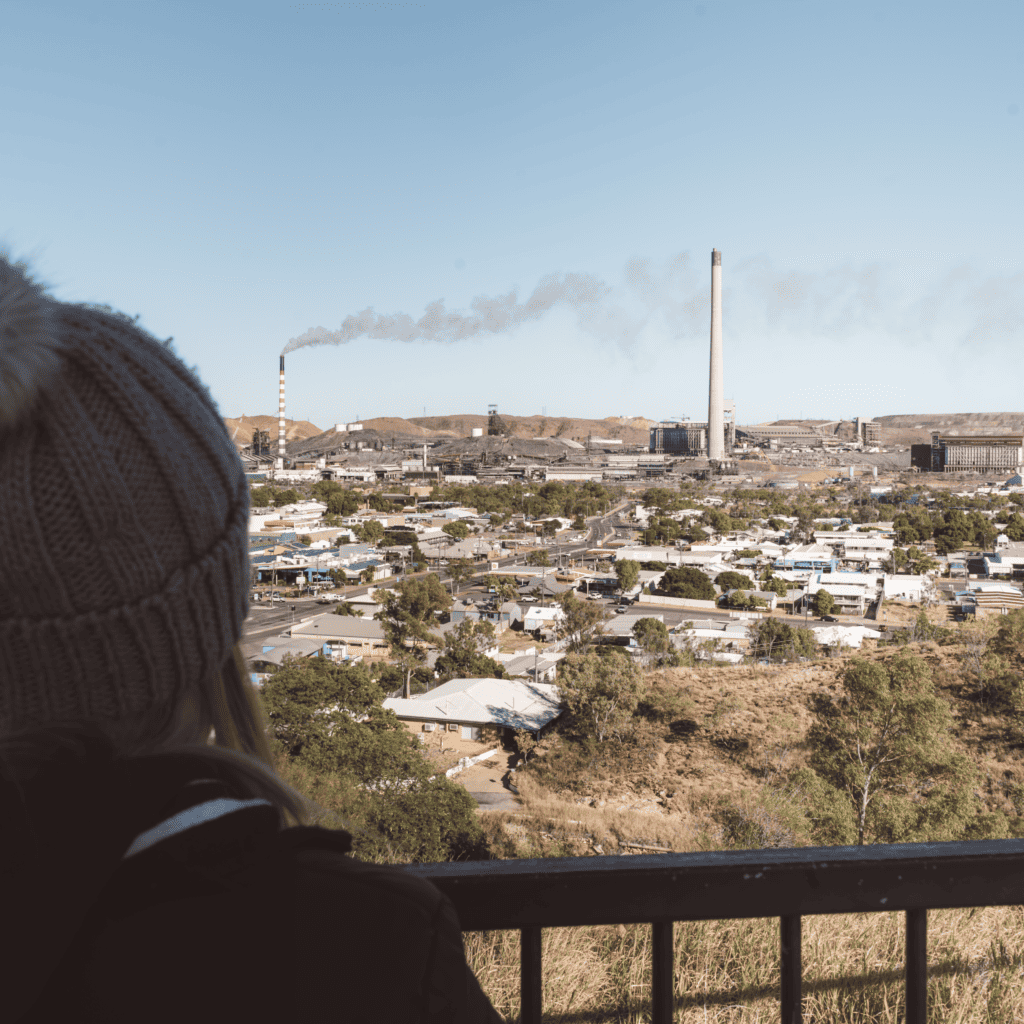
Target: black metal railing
<point x="789" y="884"/>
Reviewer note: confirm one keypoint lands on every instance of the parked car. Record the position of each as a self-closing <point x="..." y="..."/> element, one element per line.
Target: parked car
<point x="830" y="618"/>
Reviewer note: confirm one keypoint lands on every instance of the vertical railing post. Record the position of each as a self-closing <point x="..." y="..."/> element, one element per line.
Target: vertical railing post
<point x="791" y="969"/>
<point x="529" y="976"/>
<point x="662" y="981"/>
<point x="917" y="966"/>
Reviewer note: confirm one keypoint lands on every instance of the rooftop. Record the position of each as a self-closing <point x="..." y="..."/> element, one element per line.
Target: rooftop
<point x="509" y="703"/>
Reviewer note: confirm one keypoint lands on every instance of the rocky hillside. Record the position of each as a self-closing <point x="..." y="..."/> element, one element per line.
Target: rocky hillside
<point x="241" y="429"/>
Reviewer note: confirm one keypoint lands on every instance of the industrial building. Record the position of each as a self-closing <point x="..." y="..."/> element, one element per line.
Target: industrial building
<point x="783" y="434"/>
<point x="685" y="437"/>
<point x="981" y="453"/>
<point x="869" y="432"/>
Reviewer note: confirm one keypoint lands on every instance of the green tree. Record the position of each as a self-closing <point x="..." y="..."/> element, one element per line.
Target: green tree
<point x="288" y="497"/>
<point x="823" y="603"/>
<point x="717" y="520"/>
<point x="261" y="497"/>
<point x="779" y="641"/>
<point x="379" y="503"/>
<point x="652" y="638"/>
<point x="456" y="529"/>
<point x="954" y="532"/>
<point x="538" y="557"/>
<point x="733" y="581"/>
<point x="580" y="624"/>
<point x="628" y="573"/>
<point x="883" y="744"/>
<point x="600" y="694"/>
<point x="342" y="503"/>
<point x="329" y="720"/>
<point x="463" y="656"/>
<point x="579" y="523"/>
<point x="526" y="743"/>
<point x="777" y="585"/>
<point x="1015" y="526"/>
<point x="370" y="532"/>
<point x="460" y="570"/>
<point x="687" y="582"/>
<point x="550" y="527"/>
<point x="505" y="588"/>
<point x="406" y="613"/>
<point x="368" y="574"/>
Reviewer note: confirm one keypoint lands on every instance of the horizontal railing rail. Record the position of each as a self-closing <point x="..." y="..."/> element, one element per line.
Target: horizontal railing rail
<point x="661" y="889"/>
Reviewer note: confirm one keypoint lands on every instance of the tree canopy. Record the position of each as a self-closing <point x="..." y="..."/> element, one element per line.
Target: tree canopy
<point x="405" y="615"/>
<point x="685" y="581"/>
<point x="883" y="744"/>
<point x="600" y="694"/>
<point x="652" y="638"/>
<point x="779" y="641"/>
<point x="581" y="622"/>
<point x="328" y="720"/>
<point x="730" y="580"/>
<point x="456" y="529"/>
<point x="628" y="573"/>
<point x="463" y="656"/>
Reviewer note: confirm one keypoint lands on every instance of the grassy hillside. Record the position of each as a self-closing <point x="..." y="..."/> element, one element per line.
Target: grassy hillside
<point x="722" y="753"/>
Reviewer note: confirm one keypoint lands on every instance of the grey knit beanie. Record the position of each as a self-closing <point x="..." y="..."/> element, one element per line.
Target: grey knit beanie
<point x="123" y="516"/>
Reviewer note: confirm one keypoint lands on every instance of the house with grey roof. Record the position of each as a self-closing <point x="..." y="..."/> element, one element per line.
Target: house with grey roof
<point x="478" y="712"/>
<point x="361" y="636"/>
<point x="274" y="650"/>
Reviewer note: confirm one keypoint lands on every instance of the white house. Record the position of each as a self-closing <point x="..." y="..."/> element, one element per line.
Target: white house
<point x="480" y="709"/>
<point x="541" y="617"/>
<point x="908" y="588"/>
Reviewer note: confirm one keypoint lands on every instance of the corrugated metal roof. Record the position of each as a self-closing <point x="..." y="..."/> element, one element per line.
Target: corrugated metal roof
<point x="507" y="703"/>
<point x="340" y="627"/>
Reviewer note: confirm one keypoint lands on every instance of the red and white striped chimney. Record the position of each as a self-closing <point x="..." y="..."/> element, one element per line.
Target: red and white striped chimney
<point x="280" y="419"/>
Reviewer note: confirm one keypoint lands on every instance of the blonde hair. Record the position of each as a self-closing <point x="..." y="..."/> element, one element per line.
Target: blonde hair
<point x="226" y="709"/>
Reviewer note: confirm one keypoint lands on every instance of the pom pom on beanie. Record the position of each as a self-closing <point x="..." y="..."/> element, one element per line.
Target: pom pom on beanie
<point x="123" y="517"/>
<point x="28" y="349"/>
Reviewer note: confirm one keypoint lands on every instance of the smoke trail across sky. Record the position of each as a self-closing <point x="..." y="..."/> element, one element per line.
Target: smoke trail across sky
<point x="581" y="292"/>
<point x="891" y="303"/>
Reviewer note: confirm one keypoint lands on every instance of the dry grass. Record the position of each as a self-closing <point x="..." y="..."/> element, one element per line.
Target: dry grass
<point x="728" y="971"/>
<point x="737" y="720"/>
<point x="555" y="825"/>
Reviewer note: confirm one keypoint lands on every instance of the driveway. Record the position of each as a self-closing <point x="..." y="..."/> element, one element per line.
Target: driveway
<point x="485" y="782"/>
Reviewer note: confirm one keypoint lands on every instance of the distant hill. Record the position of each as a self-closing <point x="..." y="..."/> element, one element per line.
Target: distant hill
<point x="899" y="429"/>
<point x="241" y="429"/>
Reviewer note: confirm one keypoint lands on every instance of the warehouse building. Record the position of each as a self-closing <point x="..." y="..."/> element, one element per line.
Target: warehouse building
<point x="955" y="454"/>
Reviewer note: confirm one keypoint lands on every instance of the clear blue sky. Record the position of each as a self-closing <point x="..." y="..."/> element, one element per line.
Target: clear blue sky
<point x="238" y="173"/>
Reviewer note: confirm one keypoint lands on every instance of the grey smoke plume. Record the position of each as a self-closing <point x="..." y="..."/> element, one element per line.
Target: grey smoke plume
<point x="658" y="303"/>
<point x="581" y="292"/>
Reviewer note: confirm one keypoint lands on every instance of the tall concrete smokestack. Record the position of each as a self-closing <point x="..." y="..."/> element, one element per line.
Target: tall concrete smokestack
<point x="280" y="419"/>
<point x="716" y="400"/>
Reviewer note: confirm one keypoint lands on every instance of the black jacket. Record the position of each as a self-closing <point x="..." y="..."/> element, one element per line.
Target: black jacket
<point x="232" y="919"/>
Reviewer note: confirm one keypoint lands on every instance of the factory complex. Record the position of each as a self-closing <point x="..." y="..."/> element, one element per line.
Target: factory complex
<point x="770" y="453"/>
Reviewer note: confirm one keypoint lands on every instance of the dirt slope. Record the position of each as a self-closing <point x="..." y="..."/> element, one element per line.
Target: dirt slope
<point x="241" y="428"/>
